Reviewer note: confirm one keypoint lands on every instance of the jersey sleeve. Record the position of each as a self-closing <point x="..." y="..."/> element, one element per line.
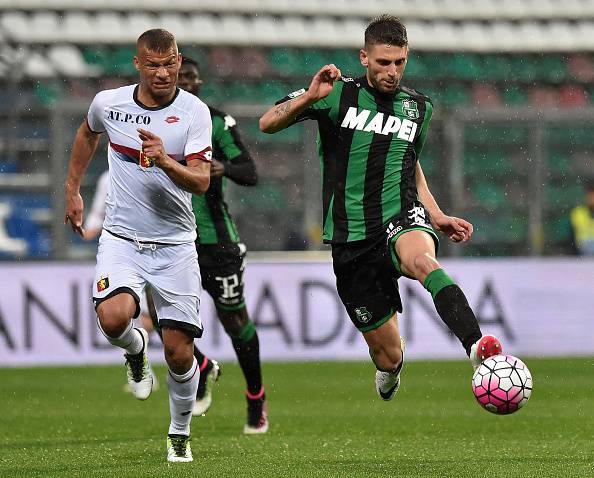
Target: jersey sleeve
<point x="420" y="142"/>
<point x="198" y="144"/>
<point x="97" y="112"/>
<point x="94" y="220"/>
<point x="239" y="165"/>
<point x="314" y="110"/>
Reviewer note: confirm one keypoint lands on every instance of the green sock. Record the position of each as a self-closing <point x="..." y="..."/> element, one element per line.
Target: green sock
<point x="436" y="281"/>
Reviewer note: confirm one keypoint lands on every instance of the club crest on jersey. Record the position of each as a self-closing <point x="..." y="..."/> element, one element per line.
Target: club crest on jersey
<point x="363" y="315"/>
<point x="145" y="161"/>
<point x="102" y="284"/>
<point x="409" y="108"/>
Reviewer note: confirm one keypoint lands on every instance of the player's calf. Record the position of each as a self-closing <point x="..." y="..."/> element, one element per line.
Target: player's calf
<point x="388" y="383"/>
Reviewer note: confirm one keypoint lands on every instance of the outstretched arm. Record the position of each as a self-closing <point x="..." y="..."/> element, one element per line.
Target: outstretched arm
<point x="83" y="148"/>
<point x="457" y="229"/>
<point x="280" y="116"/>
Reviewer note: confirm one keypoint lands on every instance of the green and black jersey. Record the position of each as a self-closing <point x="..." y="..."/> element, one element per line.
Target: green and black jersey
<point x="368" y="144"/>
<point x="214" y="224"/>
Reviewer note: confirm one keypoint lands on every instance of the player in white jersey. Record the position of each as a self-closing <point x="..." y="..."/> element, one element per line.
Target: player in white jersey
<point x="159" y="155"/>
<point x="92" y="227"/>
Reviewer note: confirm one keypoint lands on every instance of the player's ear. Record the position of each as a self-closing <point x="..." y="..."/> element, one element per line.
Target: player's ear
<point x="363" y="58"/>
<point x="136" y="63"/>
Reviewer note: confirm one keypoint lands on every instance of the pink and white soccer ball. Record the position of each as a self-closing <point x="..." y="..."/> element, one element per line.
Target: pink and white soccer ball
<point x="502" y="384"/>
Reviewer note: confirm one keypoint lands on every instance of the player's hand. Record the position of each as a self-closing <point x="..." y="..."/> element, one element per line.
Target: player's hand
<point x="152" y="146"/>
<point x="323" y="81"/>
<point x="74" y="210"/>
<point x="217" y="169"/>
<point x="458" y="230"/>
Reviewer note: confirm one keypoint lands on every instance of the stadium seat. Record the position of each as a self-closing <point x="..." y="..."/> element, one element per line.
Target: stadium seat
<point x="313" y="60"/>
<point x="286" y="62"/>
<point x="264" y="30"/>
<point x="205" y="29"/>
<point x="44" y="27"/>
<point x="136" y="23"/>
<point x="68" y="61"/>
<point x="514" y="96"/>
<point x="37" y="66"/>
<point x="234" y="30"/>
<point x="79" y="27"/>
<point x="112" y="28"/>
<point x="177" y="24"/>
<point x="254" y="62"/>
<point x="465" y="66"/>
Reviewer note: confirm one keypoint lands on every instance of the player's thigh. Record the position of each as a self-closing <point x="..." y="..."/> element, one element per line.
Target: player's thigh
<point x="221" y="269"/>
<point x="176" y="289"/>
<point x="415" y="253"/>
<point x="119" y="280"/>
<point x="366" y="283"/>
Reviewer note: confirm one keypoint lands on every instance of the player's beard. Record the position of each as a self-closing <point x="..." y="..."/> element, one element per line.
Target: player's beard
<point x="382" y="87"/>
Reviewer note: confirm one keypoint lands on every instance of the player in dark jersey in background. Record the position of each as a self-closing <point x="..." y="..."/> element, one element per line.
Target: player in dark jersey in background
<point x="222" y="258"/>
<point x="379" y="215"/>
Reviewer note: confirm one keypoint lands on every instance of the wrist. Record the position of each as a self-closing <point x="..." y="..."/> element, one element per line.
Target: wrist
<point x="72" y="187"/>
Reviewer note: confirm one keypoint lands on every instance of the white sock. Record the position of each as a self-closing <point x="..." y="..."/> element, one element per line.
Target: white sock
<point x="182" y="397"/>
<point x="131" y="340"/>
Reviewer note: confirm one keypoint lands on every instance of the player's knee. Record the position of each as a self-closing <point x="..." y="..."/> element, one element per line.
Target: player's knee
<point x="424" y="264"/>
<point x="179" y="358"/>
<point x="112" y="323"/>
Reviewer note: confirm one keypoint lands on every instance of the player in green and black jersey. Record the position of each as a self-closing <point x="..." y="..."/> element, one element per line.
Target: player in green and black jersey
<point x="379" y="215"/>
<point x="221" y="257"/>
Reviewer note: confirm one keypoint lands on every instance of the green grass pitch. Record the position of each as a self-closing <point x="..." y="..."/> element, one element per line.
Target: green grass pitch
<point x="326" y="421"/>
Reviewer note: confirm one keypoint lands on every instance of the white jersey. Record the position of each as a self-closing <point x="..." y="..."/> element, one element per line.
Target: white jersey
<point x="143" y="203"/>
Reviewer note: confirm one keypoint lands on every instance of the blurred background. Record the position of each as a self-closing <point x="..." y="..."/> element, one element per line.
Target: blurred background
<point x="510" y="145"/>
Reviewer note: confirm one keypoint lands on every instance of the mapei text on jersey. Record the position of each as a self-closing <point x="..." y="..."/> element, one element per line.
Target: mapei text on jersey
<point x="405" y="128"/>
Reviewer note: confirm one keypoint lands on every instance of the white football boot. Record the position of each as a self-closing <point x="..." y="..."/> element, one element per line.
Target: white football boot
<point x="178" y="448"/>
<point x="140" y="377"/>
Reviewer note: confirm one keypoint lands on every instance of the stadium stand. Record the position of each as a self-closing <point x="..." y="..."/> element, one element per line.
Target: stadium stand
<point x="502" y="60"/>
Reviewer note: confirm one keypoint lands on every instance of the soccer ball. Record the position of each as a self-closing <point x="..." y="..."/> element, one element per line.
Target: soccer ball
<point x="502" y="384"/>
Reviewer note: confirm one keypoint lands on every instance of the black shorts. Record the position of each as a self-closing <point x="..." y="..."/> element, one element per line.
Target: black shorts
<point x="221" y="269"/>
<point x="367" y="271"/>
<point x="412" y="218"/>
<point x="366" y="280"/>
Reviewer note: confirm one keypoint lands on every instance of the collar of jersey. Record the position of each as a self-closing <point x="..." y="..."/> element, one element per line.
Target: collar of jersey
<point x="153" y="108"/>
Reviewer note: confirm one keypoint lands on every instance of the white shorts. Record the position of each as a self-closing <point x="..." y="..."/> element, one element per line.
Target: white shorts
<point x="171" y="270"/>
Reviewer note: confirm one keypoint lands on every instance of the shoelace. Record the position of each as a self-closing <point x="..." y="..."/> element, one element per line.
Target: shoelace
<point x="142" y="246"/>
<point x="179" y="445"/>
<point x="136" y="365"/>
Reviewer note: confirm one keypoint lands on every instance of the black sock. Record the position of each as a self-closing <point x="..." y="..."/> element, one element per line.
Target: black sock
<point x="201" y="358"/>
<point x="453" y="308"/>
<point x="248" y="355"/>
